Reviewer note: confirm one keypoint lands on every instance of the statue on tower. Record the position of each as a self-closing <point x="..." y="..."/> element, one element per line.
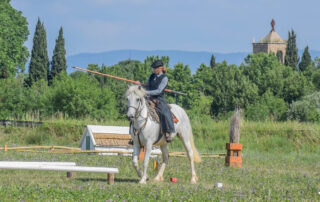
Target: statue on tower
<point x="273" y="23"/>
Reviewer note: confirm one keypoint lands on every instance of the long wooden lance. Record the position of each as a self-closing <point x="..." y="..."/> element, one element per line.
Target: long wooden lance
<point x="127" y="80"/>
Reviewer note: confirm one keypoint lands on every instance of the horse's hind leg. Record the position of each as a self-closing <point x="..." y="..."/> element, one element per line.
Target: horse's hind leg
<point x="164" y="150"/>
<point x="187" y="146"/>
<point x="146" y="163"/>
<point x="135" y="156"/>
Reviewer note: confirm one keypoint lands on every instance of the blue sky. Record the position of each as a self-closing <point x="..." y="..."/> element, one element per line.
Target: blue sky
<point x="196" y="25"/>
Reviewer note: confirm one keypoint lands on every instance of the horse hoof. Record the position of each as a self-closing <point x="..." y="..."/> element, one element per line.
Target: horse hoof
<point x="193" y="181"/>
<point x="158" y="179"/>
<point x="142" y="182"/>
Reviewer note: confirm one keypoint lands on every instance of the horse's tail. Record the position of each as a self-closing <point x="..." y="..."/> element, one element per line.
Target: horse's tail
<point x="196" y="155"/>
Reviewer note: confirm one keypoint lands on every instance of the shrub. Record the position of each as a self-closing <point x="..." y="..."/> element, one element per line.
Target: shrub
<point x="306" y="109"/>
<point x="268" y="107"/>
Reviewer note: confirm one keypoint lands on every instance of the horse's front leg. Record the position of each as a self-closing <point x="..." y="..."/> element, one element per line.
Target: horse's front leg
<point x="165" y="154"/>
<point x="135" y="158"/>
<point x="146" y="162"/>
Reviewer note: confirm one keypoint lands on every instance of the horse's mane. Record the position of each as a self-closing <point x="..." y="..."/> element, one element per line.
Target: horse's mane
<point x="138" y="90"/>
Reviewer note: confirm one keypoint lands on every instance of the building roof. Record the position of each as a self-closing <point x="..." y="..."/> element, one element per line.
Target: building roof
<point x="272" y="37"/>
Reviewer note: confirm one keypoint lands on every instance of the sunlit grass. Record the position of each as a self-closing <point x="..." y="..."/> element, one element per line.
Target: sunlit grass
<point x="264" y="176"/>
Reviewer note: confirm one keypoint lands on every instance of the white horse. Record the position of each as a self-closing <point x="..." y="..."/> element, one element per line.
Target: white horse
<point x="148" y="131"/>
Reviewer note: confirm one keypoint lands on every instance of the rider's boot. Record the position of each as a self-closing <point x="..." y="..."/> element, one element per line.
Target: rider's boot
<point x="168" y="137"/>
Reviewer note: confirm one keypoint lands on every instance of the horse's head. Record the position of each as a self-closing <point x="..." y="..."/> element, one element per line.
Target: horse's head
<point x="135" y="95"/>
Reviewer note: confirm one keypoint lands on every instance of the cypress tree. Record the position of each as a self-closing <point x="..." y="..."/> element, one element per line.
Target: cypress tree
<point x="39" y="63"/>
<point x="291" y="59"/>
<point x="279" y="56"/>
<point x="212" y="62"/>
<point x="305" y="60"/>
<point x="58" y="63"/>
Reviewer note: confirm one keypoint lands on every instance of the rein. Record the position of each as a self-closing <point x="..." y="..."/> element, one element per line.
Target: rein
<point x="136" y="116"/>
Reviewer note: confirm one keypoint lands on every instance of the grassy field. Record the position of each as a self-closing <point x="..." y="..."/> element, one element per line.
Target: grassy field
<point x="281" y="161"/>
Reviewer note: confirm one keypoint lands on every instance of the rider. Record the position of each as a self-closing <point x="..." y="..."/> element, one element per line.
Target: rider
<point x="156" y="84"/>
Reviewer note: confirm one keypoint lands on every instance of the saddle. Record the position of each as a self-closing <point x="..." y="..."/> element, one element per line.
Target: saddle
<point x="154" y="114"/>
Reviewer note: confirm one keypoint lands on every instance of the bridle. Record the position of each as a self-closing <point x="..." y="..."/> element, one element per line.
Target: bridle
<point x="136" y="116"/>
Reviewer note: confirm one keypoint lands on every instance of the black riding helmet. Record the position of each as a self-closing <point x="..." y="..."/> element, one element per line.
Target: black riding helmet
<point x="157" y="63"/>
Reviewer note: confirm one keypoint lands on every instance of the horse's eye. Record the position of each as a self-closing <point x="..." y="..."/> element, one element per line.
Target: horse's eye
<point x="138" y="99"/>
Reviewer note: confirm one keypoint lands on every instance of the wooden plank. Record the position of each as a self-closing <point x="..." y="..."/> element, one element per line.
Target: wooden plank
<point x="60" y="168"/>
<point x="111" y="136"/>
<point x="71" y="174"/>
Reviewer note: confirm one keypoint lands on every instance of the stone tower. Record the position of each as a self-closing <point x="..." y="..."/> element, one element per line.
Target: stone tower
<point x="271" y="43"/>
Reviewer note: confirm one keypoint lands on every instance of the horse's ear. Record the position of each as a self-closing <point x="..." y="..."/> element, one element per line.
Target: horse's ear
<point x="128" y="86"/>
<point x="139" y="87"/>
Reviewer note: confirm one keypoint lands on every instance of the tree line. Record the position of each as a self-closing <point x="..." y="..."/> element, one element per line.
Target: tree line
<point x="263" y="87"/>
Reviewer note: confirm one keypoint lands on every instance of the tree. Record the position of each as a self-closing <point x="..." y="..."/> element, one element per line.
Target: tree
<point x="180" y="79"/>
<point x="268" y="74"/>
<point x="316" y="79"/>
<point x="291" y="59"/>
<point x="58" y="63"/>
<point x="13" y="33"/>
<point x="212" y="62"/>
<point x="203" y="79"/>
<point x="279" y="56"/>
<point x="231" y="89"/>
<point x="306" y="60"/>
<point x="39" y="63"/>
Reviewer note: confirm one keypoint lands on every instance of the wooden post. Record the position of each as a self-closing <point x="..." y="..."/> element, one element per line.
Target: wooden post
<point x="71" y="174"/>
<point x="111" y="178"/>
<point x="233" y="158"/>
<point x="155" y="165"/>
<point x="142" y="152"/>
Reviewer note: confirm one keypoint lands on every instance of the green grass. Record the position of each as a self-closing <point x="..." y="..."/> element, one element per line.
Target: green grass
<point x="264" y="176"/>
<point x="209" y="135"/>
<point x="280" y="163"/>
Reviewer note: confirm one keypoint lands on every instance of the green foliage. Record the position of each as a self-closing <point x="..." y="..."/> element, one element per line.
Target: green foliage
<point x="268" y="107"/>
<point x="180" y="79"/>
<point x="212" y="62"/>
<point x="39" y="63"/>
<point x="201" y="107"/>
<point x="317" y="62"/>
<point x="231" y="89"/>
<point x="305" y="60"/>
<point x="203" y="79"/>
<point x="268" y="74"/>
<point x="13" y="102"/>
<point x="316" y="79"/>
<point x="279" y="56"/>
<point x="306" y="109"/>
<point x="80" y="97"/>
<point x="13" y="33"/>
<point x="58" y="63"/>
<point x="291" y="59"/>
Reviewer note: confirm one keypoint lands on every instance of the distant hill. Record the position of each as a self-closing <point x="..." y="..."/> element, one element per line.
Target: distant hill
<point x="193" y="59"/>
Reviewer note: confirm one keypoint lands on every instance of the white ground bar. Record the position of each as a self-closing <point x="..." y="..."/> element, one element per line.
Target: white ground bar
<point x="37" y="163"/>
<point x="60" y="168"/>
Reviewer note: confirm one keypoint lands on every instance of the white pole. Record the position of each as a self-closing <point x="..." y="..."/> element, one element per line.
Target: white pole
<point x="37" y="163"/>
<point x="60" y="168"/>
